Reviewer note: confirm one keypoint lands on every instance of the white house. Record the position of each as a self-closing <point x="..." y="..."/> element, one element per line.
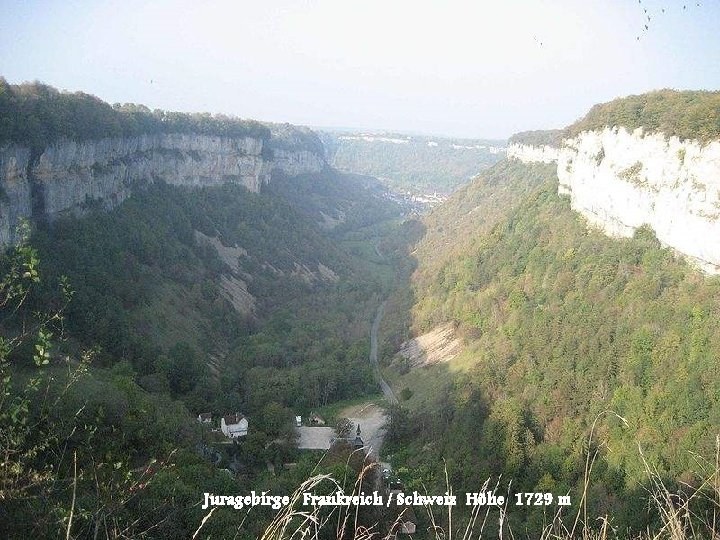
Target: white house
<point x="234" y="425"/>
<point x="205" y="418"/>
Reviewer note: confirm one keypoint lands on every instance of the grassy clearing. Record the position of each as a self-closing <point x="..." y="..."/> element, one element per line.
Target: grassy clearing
<point x="426" y="382"/>
<point x="331" y="412"/>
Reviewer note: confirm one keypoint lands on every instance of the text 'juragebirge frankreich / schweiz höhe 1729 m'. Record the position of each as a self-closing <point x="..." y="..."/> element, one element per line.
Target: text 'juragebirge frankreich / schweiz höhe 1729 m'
<point x="485" y="498"/>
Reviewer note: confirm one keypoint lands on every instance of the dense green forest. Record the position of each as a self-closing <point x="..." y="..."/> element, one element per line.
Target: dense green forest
<point x="146" y="279"/>
<point x="549" y="137"/>
<point x="36" y="115"/>
<point x="411" y="163"/>
<point x="454" y="228"/>
<point x="564" y="331"/>
<point x="684" y="114"/>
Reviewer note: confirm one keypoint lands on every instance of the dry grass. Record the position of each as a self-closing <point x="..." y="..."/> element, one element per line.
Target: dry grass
<point x="678" y="519"/>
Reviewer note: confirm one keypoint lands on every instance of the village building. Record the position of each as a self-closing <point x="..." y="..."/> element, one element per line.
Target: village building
<point x="316" y="437"/>
<point x="357" y="442"/>
<point x="205" y="418"/>
<point x="234" y="425"/>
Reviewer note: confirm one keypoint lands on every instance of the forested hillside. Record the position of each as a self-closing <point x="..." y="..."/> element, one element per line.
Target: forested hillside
<point x="36" y="115"/>
<point x="148" y="278"/>
<point x="455" y="227"/>
<point x="183" y="301"/>
<point x="684" y="114"/>
<point x="549" y="137"/>
<point x="573" y="343"/>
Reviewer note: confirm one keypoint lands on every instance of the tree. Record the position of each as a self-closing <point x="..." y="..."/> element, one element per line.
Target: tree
<point x="276" y="418"/>
<point x="185" y="368"/>
<point x="27" y="433"/>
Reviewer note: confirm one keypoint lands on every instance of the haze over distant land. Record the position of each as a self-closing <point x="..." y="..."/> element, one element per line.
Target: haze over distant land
<point x="462" y="68"/>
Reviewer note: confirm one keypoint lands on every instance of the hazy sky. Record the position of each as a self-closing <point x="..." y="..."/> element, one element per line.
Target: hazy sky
<point x="467" y="68"/>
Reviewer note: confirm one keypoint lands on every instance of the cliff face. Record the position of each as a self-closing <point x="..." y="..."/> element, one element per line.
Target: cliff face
<point x="68" y="175"/>
<point x="620" y="181"/>
<point x="528" y="153"/>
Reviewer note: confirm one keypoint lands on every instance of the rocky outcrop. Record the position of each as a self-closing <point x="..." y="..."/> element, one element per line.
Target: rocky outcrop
<point x="440" y="344"/>
<point x="68" y="175"/>
<point x="15" y="196"/>
<point x="620" y="180"/>
<point x="528" y="153"/>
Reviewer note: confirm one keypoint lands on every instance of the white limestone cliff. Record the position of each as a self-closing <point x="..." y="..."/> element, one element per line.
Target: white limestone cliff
<point x="528" y="153"/>
<point x="620" y="181"/>
<point x="68" y="175"/>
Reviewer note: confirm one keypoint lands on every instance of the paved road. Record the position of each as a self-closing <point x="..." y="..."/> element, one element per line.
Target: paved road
<point x="389" y="394"/>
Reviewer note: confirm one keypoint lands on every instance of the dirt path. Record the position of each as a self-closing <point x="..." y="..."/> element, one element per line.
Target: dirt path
<point x="371" y="418"/>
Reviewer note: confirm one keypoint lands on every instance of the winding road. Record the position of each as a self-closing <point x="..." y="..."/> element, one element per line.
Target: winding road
<point x="387" y="391"/>
<point x="370" y="416"/>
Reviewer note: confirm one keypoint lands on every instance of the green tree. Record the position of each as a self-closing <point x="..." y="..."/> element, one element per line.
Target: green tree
<point x="185" y="368"/>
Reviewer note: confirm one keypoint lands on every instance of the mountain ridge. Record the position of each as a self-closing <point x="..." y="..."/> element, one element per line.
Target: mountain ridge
<point x="651" y="159"/>
<point x="52" y="162"/>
